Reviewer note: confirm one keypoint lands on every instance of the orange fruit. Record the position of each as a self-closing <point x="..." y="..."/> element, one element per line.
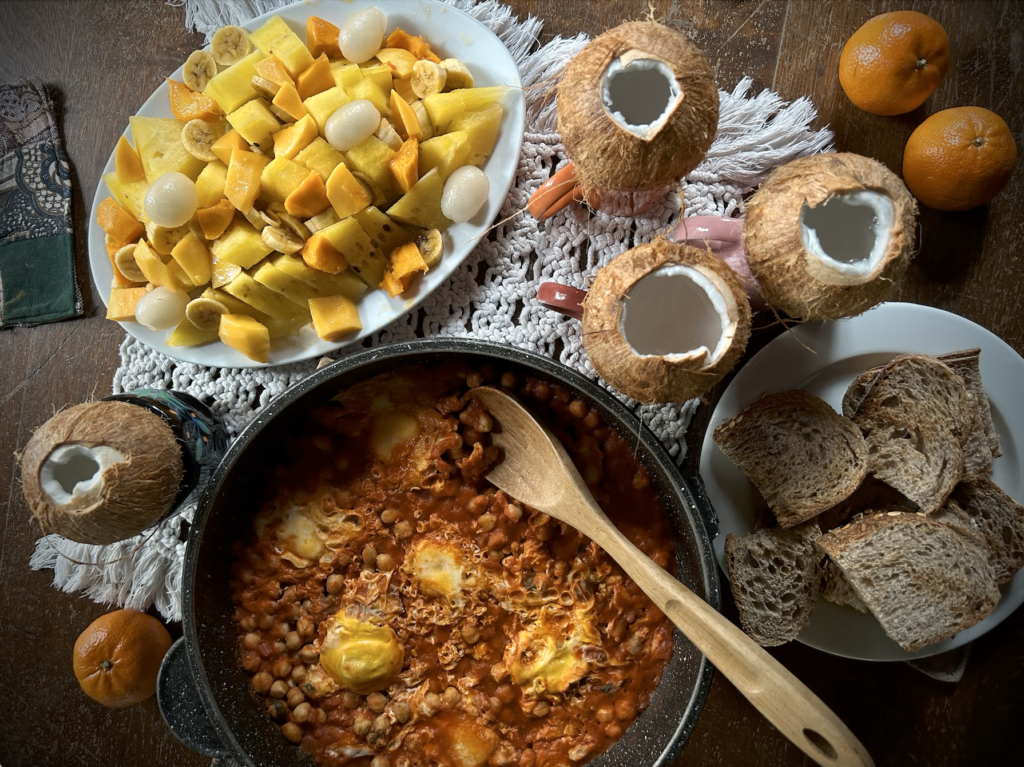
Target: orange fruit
<point x="894" y="62"/>
<point x="187" y="104"/>
<point x="117" y="658"/>
<point x="959" y="158"/>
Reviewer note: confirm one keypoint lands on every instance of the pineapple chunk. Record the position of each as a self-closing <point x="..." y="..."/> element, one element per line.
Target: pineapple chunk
<point x="180" y="275"/>
<point x="321" y="157"/>
<point x="445" y="107"/>
<point x="347" y="194"/>
<point x="191" y="254"/>
<point x="121" y="307"/>
<point x="210" y="184"/>
<point x="280" y="178"/>
<point x="345" y="283"/>
<point x="131" y="197"/>
<point x="246" y="335"/>
<point x="323" y="105"/>
<point x="276" y="38"/>
<point x="399" y="60"/>
<point x="240" y="245"/>
<point x="346" y="75"/>
<point x="378" y="73"/>
<point x="277" y="327"/>
<point x="447" y="153"/>
<point x="255" y="123"/>
<point x="349" y="238"/>
<point x="369" y="90"/>
<point x="223" y="273"/>
<point x="421" y="205"/>
<point x="385" y="235"/>
<point x="482" y="126"/>
<point x="155" y="270"/>
<point x="158" y="140"/>
<point x="334" y="317"/>
<point x="296" y="291"/>
<point x="263" y="299"/>
<point x="127" y="162"/>
<point x="233" y="87"/>
<point x="370" y="157"/>
<point x="187" y="334"/>
<point x="242" y="185"/>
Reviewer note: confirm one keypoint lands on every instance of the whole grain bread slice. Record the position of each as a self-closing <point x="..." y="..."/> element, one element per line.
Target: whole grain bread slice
<point x="775" y="577"/>
<point x="802" y="455"/>
<point x="1000" y="521"/>
<point x="923" y="579"/>
<point x="835" y="588"/>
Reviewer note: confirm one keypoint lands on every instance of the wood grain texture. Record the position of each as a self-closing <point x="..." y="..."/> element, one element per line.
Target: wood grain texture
<point x="104" y="57"/>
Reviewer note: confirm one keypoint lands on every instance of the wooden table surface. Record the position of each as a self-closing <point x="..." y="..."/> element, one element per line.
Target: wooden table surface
<point x="103" y="59"/>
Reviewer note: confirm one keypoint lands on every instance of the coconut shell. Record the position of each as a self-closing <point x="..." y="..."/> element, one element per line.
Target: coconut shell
<point x="654" y="378"/>
<point x="136" y="492"/>
<point x="609" y="158"/>
<point x="793" y="282"/>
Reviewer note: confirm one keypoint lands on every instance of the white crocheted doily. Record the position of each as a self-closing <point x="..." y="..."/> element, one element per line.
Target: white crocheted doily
<point x="491" y="296"/>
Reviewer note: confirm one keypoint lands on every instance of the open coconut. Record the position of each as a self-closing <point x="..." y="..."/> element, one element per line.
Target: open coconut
<point x="664" y="322"/>
<point x="101" y="472"/>
<point x="829" y="235"/>
<point x="637" y="111"/>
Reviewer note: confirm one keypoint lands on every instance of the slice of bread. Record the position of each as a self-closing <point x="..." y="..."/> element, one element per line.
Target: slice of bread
<point x="1000" y="521"/>
<point x="802" y="455"/>
<point x="915" y="418"/>
<point x="873" y="494"/>
<point x="923" y="579"/>
<point x="775" y="578"/>
<point x="835" y="588"/>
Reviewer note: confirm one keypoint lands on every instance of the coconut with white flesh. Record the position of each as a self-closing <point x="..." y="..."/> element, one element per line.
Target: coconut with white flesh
<point x="637" y="111"/>
<point x="664" y="322"/>
<point x="101" y="472"/>
<point x="829" y="235"/>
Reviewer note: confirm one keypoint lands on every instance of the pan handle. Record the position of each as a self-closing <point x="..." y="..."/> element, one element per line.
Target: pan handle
<point x="182" y="708"/>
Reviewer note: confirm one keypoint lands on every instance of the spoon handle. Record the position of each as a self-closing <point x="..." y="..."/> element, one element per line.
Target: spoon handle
<point x="783" y="699"/>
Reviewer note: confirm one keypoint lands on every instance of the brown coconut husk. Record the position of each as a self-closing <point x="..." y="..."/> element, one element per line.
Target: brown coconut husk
<point x="610" y="159"/>
<point x="653" y="378"/>
<point x="793" y="282"/>
<point x="137" y="493"/>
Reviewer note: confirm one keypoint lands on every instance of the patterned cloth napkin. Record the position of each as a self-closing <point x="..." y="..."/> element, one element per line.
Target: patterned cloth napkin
<point x="37" y="264"/>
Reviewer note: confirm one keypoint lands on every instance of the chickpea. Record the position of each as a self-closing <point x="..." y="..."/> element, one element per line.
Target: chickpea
<point x="277" y="709"/>
<point x="292" y="731"/>
<point x="279" y="647"/>
<point x="344" y="559"/>
<point x="403" y="529"/>
<point x="624" y="709"/>
<point x="495" y="704"/>
<point x="496" y="540"/>
<point x="471" y="634"/>
<point x="432" y="702"/>
<point x="401" y="711"/>
<point x="484" y="423"/>
<point x="321" y="716"/>
<point x="593" y="420"/>
<point x="335" y="584"/>
<point x="294" y="697"/>
<point x="262" y="681"/>
<point x="380" y="761"/>
<point x="282" y="668"/>
<point x="305" y="627"/>
<point x="508" y="380"/>
<point x="381" y="724"/>
<point x="377" y="701"/>
<point x="292" y="640"/>
<point x="542" y="391"/>
<point x="545" y="533"/>
<point x="385" y="563"/>
<point x="473" y="380"/>
<point x="618" y="631"/>
<point x="389" y="516"/>
<point x="351" y="700"/>
<point x="280" y="631"/>
<point x="479" y="504"/>
<point x="299" y="674"/>
<point x="362" y="724"/>
<point x="265" y="621"/>
<point x="506" y="693"/>
<point x="613" y="731"/>
<point x="309" y="655"/>
<point x="251" y="662"/>
<point x="251" y="641"/>
<point x="248" y="623"/>
<point x="578" y="409"/>
<point x="303" y="712"/>
<point x="528" y="758"/>
<point x="279" y="689"/>
<point x="369" y="556"/>
<point x="451" y="697"/>
<point x="543" y="708"/>
<point x="514" y="512"/>
<point x="486" y="522"/>
<point x="605" y="714"/>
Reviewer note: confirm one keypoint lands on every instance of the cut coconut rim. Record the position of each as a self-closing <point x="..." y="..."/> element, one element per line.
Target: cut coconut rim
<point x="848" y="234"/>
<point x="72" y="475"/>
<point x="678" y="313"/>
<point x="640" y="92"/>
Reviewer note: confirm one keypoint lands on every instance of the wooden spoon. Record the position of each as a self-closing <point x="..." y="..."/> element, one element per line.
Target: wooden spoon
<point x="537" y="471"/>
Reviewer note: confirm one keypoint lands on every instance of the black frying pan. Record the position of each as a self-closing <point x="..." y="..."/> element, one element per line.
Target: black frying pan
<point x="203" y="694"/>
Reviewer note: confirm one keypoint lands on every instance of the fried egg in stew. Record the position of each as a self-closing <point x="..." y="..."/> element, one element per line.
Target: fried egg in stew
<point x="395" y="610"/>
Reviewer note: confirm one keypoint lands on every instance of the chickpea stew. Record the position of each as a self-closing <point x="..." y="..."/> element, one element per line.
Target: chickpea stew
<point x="395" y="610"/>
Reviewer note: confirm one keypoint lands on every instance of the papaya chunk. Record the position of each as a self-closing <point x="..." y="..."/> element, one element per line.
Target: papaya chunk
<point x="417" y="46"/>
<point x="308" y="198"/>
<point x="322" y="37"/>
<point x="319" y="253"/>
<point x="404" y="165"/>
<point x="187" y="104"/>
<point x="117" y="222"/>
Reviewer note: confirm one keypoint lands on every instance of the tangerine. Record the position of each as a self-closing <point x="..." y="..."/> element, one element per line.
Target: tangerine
<point x="894" y="62"/>
<point x="116" y="659"/>
<point x="959" y="158"/>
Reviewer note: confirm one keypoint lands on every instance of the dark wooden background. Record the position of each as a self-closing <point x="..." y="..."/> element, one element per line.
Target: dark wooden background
<point x="103" y="58"/>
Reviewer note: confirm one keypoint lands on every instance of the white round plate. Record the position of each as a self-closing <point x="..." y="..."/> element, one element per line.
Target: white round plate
<point x="842" y="350"/>
<point x="450" y="32"/>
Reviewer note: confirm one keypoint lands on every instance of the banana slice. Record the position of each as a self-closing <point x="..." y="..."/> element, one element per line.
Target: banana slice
<point x="424" y="119"/>
<point x="430" y="246"/>
<point x="281" y="239"/>
<point x="199" y="136"/>
<point x="199" y="69"/>
<point x="125" y="261"/>
<point x="321" y="221"/>
<point x="457" y="74"/>
<point x="386" y="132"/>
<point x="205" y="313"/>
<point x="264" y="87"/>
<point x="428" y="78"/>
<point x="281" y="115"/>
<point x="163" y="239"/>
<point x="230" y="45"/>
<point x="255" y="218"/>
